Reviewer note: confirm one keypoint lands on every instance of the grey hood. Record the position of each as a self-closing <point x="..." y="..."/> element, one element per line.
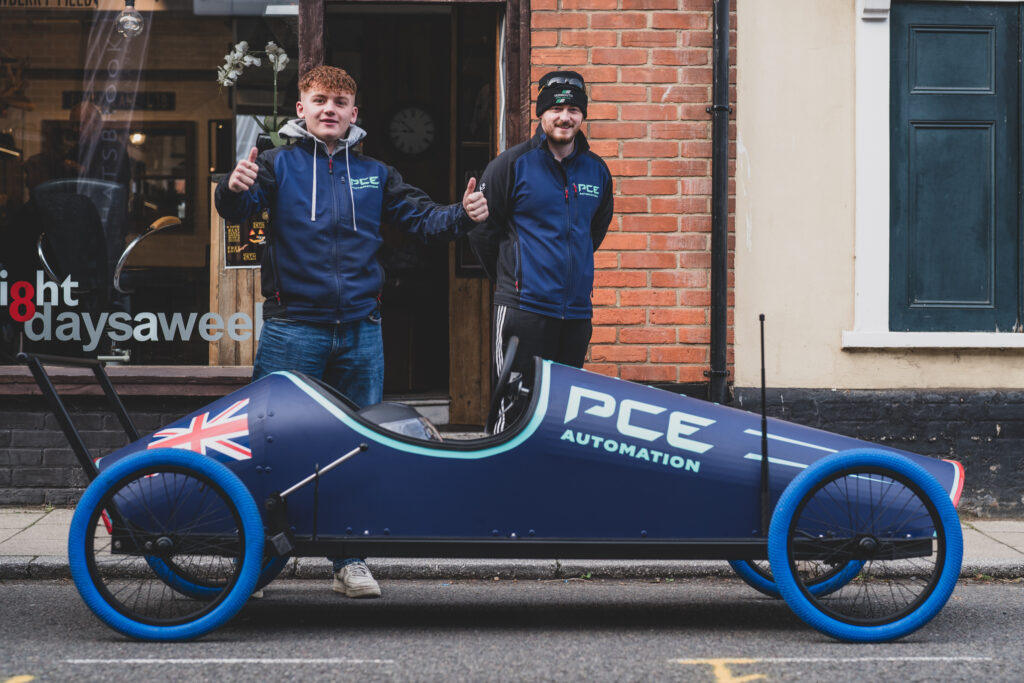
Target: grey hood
<point x="296" y="128"/>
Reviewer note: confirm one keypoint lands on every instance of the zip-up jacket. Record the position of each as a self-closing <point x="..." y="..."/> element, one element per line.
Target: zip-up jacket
<point x="547" y="218"/>
<point x="320" y="264"/>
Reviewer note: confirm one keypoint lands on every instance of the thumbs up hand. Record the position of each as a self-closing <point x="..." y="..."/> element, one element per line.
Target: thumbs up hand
<point x="474" y="203"/>
<point x="244" y="175"/>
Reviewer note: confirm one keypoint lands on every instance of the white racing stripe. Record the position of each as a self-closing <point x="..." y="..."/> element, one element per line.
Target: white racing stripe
<point x="790" y="463"/>
<point x="775" y="461"/>
<point x="776" y="437"/>
<point x="231" y="660"/>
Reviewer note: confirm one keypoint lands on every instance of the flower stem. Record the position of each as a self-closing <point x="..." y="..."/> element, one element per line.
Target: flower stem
<point x="276" y="125"/>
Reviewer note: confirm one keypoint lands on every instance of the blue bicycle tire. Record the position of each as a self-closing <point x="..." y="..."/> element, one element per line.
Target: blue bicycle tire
<point x="936" y="523"/>
<point x="98" y="500"/>
<point x="272" y="566"/>
<point x="754" y="578"/>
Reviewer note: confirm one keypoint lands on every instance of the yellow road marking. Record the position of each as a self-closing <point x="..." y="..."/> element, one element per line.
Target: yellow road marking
<point x="20" y="679"/>
<point x="722" y="672"/>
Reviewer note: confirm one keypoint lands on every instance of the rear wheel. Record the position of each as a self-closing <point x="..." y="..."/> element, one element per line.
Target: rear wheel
<point x="877" y="508"/>
<point x="186" y="512"/>
<point x="821" y="580"/>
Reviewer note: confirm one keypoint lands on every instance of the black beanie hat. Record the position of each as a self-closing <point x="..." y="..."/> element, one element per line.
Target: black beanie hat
<point x="561" y="87"/>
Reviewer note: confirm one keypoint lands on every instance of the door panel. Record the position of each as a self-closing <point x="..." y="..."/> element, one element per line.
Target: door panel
<point x="951" y="222"/>
<point x="954" y="151"/>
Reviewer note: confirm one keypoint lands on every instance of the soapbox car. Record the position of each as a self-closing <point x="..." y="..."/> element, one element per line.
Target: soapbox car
<point x="168" y="541"/>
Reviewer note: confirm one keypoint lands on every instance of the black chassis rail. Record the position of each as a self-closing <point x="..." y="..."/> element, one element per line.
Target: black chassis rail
<point x="36" y="363"/>
<point x="837" y="552"/>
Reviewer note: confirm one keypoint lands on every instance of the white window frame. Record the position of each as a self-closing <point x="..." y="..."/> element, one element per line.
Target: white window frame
<point x="871" y="268"/>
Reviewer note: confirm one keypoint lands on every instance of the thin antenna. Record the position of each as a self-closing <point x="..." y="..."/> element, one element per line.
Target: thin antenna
<point x="766" y="512"/>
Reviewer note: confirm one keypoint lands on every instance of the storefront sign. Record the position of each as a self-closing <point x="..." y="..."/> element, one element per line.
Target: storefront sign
<point x="244" y="242"/>
<point x="50" y="4"/>
<point x="124" y="100"/>
<point x="78" y="5"/>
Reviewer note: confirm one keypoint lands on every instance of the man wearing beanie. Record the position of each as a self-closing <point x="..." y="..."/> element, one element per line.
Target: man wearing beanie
<point x="550" y="203"/>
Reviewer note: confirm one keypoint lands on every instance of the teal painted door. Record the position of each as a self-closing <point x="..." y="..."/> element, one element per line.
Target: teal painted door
<point x="955" y="146"/>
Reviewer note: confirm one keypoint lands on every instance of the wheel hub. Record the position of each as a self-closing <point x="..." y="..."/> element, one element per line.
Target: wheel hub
<point x="161" y="547"/>
<point x="868" y="546"/>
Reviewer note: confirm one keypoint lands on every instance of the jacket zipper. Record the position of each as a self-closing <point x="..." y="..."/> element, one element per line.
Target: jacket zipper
<point x="568" y="243"/>
<point x="335" y="219"/>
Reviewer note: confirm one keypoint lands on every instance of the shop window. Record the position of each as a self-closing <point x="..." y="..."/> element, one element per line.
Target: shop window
<point x="99" y="139"/>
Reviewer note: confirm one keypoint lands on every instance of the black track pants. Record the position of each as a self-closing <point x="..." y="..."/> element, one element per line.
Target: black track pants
<point x="563" y="341"/>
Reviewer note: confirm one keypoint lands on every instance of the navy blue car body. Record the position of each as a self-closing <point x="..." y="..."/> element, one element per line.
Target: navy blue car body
<point x="593" y="458"/>
<point x="179" y="528"/>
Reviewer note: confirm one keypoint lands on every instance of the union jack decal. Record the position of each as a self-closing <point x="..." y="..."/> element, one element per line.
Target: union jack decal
<point x="226" y="433"/>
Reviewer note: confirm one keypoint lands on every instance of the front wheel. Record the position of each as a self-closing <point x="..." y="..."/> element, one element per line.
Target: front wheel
<point x="184" y="580"/>
<point x="877" y="508"/>
<point x="187" y="511"/>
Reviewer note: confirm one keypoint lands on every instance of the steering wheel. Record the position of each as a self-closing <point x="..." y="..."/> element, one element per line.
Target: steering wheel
<point x="502" y="386"/>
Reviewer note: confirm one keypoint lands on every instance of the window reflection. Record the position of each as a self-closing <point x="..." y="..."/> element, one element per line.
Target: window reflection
<point x="84" y="112"/>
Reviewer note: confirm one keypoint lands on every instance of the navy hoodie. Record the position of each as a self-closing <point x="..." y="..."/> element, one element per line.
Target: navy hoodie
<point x="321" y="264"/>
<point x="547" y="218"/>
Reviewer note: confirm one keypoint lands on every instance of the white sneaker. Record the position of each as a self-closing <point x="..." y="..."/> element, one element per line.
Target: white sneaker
<point x="355" y="581"/>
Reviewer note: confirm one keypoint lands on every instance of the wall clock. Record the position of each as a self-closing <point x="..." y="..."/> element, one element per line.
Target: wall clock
<point x="412" y="130"/>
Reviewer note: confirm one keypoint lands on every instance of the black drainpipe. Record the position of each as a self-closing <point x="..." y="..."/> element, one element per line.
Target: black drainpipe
<point x="718" y="390"/>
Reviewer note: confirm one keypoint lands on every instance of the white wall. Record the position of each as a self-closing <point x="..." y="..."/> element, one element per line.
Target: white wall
<point x="797" y="208"/>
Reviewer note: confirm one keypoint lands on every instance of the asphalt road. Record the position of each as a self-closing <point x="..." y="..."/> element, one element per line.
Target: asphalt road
<point x="576" y="630"/>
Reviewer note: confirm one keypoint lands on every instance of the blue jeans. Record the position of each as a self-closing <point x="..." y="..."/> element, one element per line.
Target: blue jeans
<point x="348" y="356"/>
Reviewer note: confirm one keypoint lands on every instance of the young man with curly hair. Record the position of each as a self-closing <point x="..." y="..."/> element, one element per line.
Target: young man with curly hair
<point x="320" y="274"/>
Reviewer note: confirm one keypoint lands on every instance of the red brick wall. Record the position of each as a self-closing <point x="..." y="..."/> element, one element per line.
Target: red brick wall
<point x="648" y="66"/>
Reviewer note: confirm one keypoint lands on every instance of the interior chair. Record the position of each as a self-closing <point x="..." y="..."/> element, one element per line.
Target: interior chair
<point x="71" y="246"/>
<point x="83" y="228"/>
<point x="110" y="200"/>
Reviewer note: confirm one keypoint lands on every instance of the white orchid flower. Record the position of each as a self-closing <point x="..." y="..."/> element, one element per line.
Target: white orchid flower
<point x="239" y="58"/>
